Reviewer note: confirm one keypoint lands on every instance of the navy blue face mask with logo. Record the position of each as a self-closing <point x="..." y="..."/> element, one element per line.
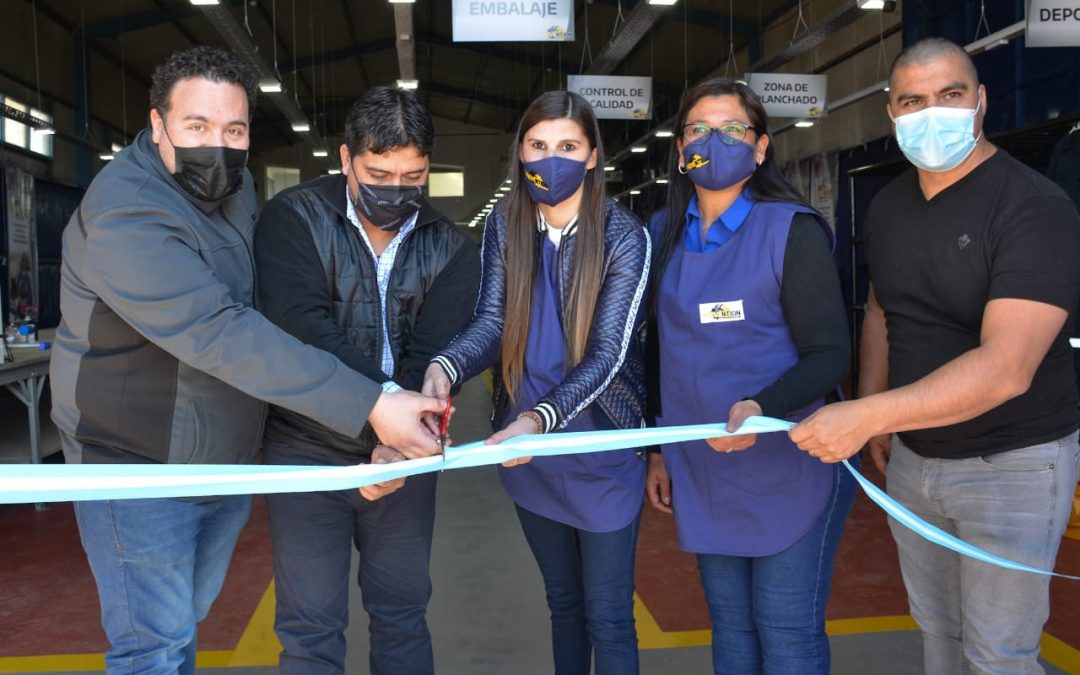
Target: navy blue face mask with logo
<point x="553" y="179"/>
<point x="717" y="161"/>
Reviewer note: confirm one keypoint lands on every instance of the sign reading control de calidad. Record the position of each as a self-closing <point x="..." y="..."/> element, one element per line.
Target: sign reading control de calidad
<point x="614" y="97"/>
<point x="785" y="95"/>
<point x="513" y="21"/>
<point x="1052" y="23"/>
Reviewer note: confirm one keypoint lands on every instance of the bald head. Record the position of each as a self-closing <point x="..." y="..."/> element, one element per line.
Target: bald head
<point x="931" y="49"/>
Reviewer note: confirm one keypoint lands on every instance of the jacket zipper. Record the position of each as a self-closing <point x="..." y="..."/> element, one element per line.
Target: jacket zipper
<point x="383" y="328"/>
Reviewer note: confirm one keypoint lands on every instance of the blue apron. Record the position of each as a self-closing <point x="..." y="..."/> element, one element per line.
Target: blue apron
<point x="597" y="492"/>
<point x="722" y="338"/>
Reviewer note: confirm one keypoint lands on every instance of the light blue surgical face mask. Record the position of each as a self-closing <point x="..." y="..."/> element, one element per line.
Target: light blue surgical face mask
<point x="937" y="138"/>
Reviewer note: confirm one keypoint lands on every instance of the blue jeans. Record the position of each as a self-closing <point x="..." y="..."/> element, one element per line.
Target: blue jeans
<point x="158" y="564"/>
<point x="313" y="535"/>
<point x="768" y="612"/>
<point x="1015" y="504"/>
<point x="589" y="580"/>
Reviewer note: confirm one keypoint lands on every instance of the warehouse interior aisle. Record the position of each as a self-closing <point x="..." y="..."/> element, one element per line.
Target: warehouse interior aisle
<point x="487" y="614"/>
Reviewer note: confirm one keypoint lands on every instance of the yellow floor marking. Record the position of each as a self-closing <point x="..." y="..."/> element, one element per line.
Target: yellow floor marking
<point x="650" y="636"/>
<point x="873" y="624"/>
<point x="259" y="646"/>
<point x="1059" y="654"/>
<point x="40" y="664"/>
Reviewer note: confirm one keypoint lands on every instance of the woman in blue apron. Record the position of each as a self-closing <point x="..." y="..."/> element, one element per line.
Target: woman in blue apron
<point x="564" y="274"/>
<point x="750" y="321"/>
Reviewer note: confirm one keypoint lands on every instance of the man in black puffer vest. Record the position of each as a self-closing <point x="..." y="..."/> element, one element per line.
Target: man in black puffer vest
<point x="360" y="265"/>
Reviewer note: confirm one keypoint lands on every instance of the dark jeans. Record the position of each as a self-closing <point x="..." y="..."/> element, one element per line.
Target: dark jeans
<point x="313" y="535"/>
<point x="768" y="612"/>
<point x="589" y="579"/>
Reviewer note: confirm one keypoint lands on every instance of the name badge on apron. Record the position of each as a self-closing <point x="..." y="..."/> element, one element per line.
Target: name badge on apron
<point x="721" y="312"/>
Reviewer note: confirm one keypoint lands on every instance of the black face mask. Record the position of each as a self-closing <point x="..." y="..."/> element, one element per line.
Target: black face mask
<point x="208" y="173"/>
<point x="388" y="207"/>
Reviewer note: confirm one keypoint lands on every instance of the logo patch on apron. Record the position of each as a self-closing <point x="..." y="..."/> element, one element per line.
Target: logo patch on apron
<point x="719" y="312"/>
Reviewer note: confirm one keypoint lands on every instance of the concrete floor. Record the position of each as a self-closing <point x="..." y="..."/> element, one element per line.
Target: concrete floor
<point x="488" y="614"/>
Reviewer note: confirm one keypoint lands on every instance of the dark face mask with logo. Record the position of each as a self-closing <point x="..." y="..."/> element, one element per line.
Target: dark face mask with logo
<point x="553" y="179"/>
<point x="717" y="161"/>
<point x="208" y="173"/>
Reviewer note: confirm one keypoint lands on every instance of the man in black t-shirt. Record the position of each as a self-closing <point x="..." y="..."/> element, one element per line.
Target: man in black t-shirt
<point x="965" y="357"/>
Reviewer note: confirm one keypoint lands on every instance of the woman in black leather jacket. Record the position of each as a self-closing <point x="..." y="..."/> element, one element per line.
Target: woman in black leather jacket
<point x="564" y="272"/>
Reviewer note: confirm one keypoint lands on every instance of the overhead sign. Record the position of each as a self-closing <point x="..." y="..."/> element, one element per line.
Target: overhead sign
<point x="785" y="95"/>
<point x="513" y="21"/>
<point x="1053" y="23"/>
<point x="615" y="97"/>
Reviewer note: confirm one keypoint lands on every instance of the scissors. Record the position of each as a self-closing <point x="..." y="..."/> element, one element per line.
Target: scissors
<point x="444" y="424"/>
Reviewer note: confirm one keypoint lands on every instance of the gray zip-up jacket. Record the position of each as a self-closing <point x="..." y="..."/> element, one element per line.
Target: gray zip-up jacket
<point x="160" y="355"/>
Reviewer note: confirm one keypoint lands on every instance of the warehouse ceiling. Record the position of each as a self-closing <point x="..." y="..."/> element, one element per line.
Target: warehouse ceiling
<point x="328" y="52"/>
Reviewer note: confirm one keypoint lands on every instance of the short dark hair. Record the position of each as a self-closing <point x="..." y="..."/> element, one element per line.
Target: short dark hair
<point x="927" y="50"/>
<point x="386" y="119"/>
<point x="211" y="63"/>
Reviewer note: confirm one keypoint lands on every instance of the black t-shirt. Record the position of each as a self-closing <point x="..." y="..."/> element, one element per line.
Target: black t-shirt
<point x="1002" y="231"/>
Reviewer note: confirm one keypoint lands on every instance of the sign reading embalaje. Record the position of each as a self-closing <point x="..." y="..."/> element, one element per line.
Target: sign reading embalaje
<point x="785" y="95"/>
<point x="614" y="97"/>
<point x="1053" y="23"/>
<point x="513" y="21"/>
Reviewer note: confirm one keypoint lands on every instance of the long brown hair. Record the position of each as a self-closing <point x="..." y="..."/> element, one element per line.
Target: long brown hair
<point x="523" y="242"/>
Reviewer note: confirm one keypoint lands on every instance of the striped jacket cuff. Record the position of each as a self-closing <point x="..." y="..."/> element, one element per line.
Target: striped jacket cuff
<point x="448" y="368"/>
<point x="547" y="413"/>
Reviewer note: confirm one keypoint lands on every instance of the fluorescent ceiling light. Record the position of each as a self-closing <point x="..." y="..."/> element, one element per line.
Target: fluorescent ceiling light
<point x="638" y="148"/>
<point x="492" y="200"/>
<point x="408" y="84"/>
<point x="106" y="156"/>
<point x="804" y="124"/>
<point x="507" y="181"/>
<point x="663" y="133"/>
<point x="319" y="153"/>
<point x="334" y="172"/>
<point x="661" y="181"/>
<point x="301" y="127"/>
<point x="609" y="168"/>
<point x="270" y="87"/>
<point x="44" y="131"/>
<point x="871" y="4"/>
<point x="402" y="2"/>
<point x="662" y="2"/>
<point x="635" y="192"/>
<point x="116" y="147"/>
<point x="204" y="2"/>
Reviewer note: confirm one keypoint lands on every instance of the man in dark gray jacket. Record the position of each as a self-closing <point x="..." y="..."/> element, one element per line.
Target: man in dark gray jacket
<point x="161" y="357"/>
<point x="361" y="265"/>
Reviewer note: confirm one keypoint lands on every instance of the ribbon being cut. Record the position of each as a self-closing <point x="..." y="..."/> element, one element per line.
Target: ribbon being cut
<point x="31" y="483"/>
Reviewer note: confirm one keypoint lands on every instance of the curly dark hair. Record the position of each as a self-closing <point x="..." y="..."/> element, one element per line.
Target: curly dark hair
<point x="386" y="119"/>
<point x="211" y="63"/>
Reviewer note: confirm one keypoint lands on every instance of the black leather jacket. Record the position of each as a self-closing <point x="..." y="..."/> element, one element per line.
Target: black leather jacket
<point x="612" y="372"/>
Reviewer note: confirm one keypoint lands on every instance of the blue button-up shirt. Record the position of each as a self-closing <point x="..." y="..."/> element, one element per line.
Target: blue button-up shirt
<point x="722" y="229"/>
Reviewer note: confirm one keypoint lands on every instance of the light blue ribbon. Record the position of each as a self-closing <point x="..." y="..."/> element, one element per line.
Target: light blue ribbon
<point x="33" y="483"/>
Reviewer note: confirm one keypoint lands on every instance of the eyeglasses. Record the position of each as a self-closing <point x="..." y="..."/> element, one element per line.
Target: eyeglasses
<point x="733" y="130"/>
